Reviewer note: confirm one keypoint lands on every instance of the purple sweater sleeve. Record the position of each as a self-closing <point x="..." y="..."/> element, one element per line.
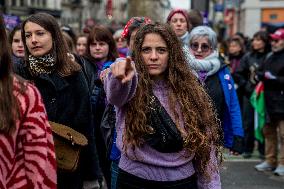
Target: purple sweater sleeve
<point x="213" y="170"/>
<point x="117" y="93"/>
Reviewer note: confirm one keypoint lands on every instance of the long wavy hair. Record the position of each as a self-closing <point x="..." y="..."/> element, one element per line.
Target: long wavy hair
<point x="9" y="110"/>
<point x="65" y="66"/>
<point x="201" y="126"/>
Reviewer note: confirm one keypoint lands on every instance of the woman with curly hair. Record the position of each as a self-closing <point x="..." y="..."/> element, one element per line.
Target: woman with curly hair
<point x="166" y="137"/>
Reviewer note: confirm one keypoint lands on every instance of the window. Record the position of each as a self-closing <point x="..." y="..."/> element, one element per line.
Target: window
<point x="273" y="16"/>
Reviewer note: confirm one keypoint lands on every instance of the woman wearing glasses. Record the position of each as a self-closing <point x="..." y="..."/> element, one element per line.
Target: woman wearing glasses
<point x="216" y="77"/>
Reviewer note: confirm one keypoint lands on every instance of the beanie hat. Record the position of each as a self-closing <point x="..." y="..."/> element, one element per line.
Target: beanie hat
<point x="181" y="11"/>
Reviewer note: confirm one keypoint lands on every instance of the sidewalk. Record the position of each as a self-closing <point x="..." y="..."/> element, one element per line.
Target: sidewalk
<point x="239" y="173"/>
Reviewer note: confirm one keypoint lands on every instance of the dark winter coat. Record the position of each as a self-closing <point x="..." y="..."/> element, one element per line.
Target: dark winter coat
<point x="96" y="89"/>
<point x="98" y="102"/>
<point x="220" y="89"/>
<point x="245" y="73"/>
<point x="274" y="88"/>
<point x="67" y="101"/>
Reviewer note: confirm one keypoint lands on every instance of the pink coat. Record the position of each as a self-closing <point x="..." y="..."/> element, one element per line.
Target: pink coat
<point x="27" y="157"/>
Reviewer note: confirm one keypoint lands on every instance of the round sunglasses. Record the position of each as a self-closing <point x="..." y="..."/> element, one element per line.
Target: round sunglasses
<point x="203" y="46"/>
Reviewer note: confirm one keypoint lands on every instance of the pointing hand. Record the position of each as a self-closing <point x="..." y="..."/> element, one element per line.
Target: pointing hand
<point x="123" y="70"/>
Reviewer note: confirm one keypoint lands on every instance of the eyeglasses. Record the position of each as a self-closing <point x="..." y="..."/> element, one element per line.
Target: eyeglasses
<point x="204" y="47"/>
<point x="120" y="39"/>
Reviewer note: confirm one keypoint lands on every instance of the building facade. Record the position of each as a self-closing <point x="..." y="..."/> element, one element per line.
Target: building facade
<point x="82" y="14"/>
<point x="23" y="8"/>
<point x="256" y="14"/>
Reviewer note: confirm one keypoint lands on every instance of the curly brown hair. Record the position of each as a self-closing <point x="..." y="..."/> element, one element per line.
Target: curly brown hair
<point x="201" y="126"/>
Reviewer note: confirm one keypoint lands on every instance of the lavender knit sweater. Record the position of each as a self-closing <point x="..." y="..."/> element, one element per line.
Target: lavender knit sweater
<point x="145" y="162"/>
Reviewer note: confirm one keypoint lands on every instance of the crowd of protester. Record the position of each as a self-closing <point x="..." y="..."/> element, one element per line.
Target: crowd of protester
<point x="157" y="102"/>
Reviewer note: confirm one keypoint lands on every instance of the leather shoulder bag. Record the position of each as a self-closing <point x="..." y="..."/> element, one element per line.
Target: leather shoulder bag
<point x="68" y="145"/>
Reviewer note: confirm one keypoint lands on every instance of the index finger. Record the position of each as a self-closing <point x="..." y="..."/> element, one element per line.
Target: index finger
<point x="128" y="62"/>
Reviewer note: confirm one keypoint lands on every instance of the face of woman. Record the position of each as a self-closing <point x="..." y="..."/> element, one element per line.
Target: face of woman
<point x="234" y="48"/>
<point x="200" y="47"/>
<point x="120" y="42"/>
<point x="17" y="45"/>
<point x="155" y="54"/>
<point x="258" y="44"/>
<point x="81" y="46"/>
<point x="179" y="24"/>
<point x="99" y="50"/>
<point x="38" y="40"/>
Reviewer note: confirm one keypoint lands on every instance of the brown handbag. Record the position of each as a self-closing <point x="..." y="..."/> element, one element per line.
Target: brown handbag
<point x="68" y="145"/>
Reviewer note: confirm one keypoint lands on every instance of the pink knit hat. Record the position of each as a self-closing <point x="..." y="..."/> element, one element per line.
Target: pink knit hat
<point x="181" y="11"/>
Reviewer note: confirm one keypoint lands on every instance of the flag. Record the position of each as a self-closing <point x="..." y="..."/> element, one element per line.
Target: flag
<point x="257" y="101"/>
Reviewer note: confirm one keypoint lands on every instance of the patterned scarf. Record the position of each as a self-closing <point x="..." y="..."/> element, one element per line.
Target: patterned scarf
<point x="41" y="65"/>
<point x="136" y="22"/>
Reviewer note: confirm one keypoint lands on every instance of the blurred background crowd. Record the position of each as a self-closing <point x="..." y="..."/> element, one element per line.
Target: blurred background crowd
<point x="248" y="34"/>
